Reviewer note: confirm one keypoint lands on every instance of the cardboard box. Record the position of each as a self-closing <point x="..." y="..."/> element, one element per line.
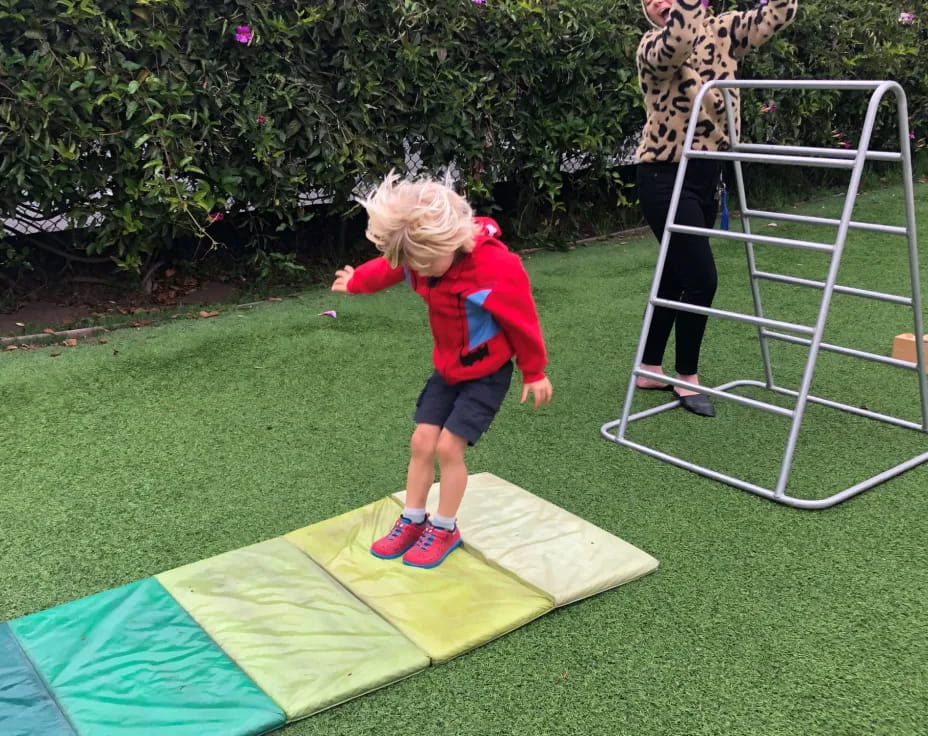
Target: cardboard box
<point x="904" y="347"/>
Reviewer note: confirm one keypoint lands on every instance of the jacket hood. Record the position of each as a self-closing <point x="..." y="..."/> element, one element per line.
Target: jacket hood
<point x="647" y="17"/>
<point x="488" y="227"/>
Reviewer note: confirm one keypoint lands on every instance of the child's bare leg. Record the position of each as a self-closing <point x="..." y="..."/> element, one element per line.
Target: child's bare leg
<point x="411" y="524"/>
<point x="441" y="537"/>
<point x="421" y="473"/>
<point x="450" y="452"/>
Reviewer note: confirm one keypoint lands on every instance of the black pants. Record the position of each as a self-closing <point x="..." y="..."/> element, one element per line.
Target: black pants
<point x="689" y="270"/>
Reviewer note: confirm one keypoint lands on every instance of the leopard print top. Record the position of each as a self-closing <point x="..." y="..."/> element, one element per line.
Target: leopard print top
<point x="691" y="49"/>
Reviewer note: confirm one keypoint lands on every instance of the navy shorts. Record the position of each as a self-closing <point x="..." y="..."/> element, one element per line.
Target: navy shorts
<point x="466" y="409"/>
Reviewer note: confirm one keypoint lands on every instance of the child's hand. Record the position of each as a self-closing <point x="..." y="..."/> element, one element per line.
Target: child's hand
<point x="541" y="390"/>
<point x="342" y="277"/>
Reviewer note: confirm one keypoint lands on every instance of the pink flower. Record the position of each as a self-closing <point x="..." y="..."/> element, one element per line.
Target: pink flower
<point x="768" y="108"/>
<point x="846" y="144"/>
<point x="912" y="135"/>
<point x="215" y="217"/>
<point x="243" y="34"/>
<point x="906" y="19"/>
<point x="260" y="120"/>
<point x="479" y="2"/>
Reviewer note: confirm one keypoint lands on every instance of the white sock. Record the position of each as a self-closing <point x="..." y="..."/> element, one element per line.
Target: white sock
<point x="416" y="516"/>
<point x="443" y="522"/>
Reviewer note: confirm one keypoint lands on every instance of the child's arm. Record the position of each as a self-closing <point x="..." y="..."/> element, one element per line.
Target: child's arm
<point x="751" y="28"/>
<point x="512" y="306"/>
<point x="663" y="52"/>
<point x="375" y="275"/>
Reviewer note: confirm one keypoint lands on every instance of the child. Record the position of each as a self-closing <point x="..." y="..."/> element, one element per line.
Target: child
<point x="481" y="314"/>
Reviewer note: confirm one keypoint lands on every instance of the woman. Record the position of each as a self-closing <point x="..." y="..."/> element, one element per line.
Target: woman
<point x="687" y="48"/>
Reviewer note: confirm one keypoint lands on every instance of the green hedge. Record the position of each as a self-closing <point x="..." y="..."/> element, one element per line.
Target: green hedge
<point x="849" y="40"/>
<point x="146" y="122"/>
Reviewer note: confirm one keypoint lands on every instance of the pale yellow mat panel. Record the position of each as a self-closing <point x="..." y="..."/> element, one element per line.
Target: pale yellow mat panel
<point x="544" y="545"/>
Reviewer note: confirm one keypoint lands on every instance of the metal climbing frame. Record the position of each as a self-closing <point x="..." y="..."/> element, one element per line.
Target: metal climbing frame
<point x="770" y="329"/>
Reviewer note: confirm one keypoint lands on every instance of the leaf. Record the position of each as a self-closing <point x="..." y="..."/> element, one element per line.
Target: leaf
<point x="49" y="331"/>
<point x="132" y="87"/>
<point x="141" y="139"/>
<point x="55" y="353"/>
<point x="142" y="323"/>
<point x="11" y="347"/>
<point x="207" y="315"/>
<point x="70" y="342"/>
<point x="274" y="299"/>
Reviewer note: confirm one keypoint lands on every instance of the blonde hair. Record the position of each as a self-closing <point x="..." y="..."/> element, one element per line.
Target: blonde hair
<point x="415" y="223"/>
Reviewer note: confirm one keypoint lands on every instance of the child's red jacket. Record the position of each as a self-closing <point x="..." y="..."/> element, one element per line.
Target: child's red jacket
<point x="481" y="311"/>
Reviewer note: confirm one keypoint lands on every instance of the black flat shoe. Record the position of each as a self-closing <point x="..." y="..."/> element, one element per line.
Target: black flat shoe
<point x="697" y="404"/>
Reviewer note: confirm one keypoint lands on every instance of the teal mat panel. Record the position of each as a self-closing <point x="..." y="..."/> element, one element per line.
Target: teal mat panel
<point x="26" y="707"/>
<point x="130" y="661"/>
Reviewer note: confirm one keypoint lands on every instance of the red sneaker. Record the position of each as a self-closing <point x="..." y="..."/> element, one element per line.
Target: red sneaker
<point x="433" y="546"/>
<point x="401" y="537"/>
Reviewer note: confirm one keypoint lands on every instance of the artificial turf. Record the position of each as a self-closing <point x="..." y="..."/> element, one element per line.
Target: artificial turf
<point x="200" y="437"/>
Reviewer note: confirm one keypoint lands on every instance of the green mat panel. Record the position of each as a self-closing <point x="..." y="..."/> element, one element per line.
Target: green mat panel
<point x="544" y="545"/>
<point x="303" y="639"/>
<point x="26" y="707"/>
<point x="447" y="610"/>
<point x="130" y="661"/>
